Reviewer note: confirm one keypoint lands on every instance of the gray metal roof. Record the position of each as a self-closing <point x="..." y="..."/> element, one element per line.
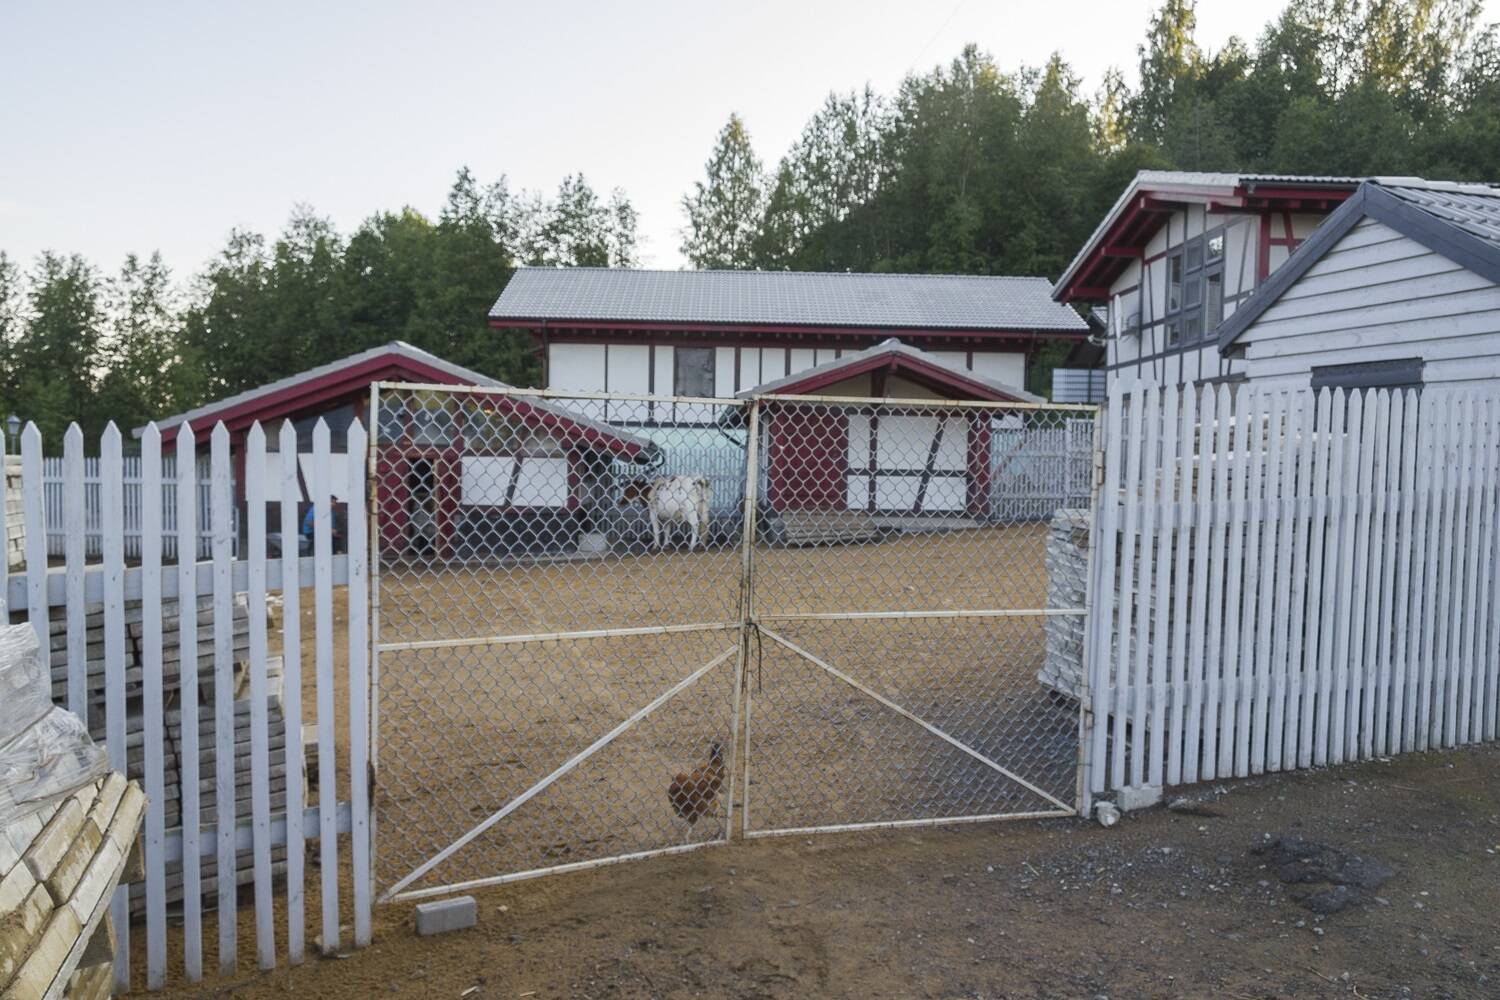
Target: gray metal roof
<point x="1472" y="208"/>
<point x="784" y="298"/>
<point x="1459" y="221"/>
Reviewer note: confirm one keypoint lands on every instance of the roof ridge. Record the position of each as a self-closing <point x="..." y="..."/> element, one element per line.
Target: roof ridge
<point x="758" y="271"/>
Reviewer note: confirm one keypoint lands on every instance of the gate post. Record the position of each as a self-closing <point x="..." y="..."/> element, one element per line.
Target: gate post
<point x="741" y="748"/>
<point x="1086" y="721"/>
<point x="372" y="554"/>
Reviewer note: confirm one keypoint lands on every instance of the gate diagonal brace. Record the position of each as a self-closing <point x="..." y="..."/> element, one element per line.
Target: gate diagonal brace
<point x="552" y="778"/>
<point x="934" y="730"/>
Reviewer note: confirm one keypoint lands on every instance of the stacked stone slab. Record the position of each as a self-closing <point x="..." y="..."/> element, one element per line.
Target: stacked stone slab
<point x="58" y="869"/>
<point x="174" y="715"/>
<point x="15" y="519"/>
<point x="1067" y="587"/>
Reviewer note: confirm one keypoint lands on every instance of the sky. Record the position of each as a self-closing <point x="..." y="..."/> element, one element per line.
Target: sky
<point x="164" y="125"/>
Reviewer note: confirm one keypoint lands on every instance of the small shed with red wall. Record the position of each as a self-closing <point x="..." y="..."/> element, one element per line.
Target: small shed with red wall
<point x="425" y="465"/>
<point x="886" y="459"/>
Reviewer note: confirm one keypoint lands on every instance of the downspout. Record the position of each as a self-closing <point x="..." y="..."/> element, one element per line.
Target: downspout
<point x="546" y="359"/>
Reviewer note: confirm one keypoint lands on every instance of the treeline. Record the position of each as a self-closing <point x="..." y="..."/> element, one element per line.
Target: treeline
<point x="972" y="169"/>
<point x="967" y="168"/>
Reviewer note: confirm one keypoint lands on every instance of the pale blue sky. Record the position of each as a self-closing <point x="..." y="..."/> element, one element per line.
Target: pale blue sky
<point x="161" y="125"/>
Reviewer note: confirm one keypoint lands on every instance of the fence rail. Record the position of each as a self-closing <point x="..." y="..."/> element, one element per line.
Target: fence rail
<point x="56" y="484"/>
<point x="206" y="708"/>
<point x="1286" y="579"/>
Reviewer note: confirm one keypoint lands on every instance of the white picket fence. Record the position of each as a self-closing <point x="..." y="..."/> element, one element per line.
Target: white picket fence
<point x="69" y="592"/>
<point x="1285" y="579"/>
<point x="60" y="480"/>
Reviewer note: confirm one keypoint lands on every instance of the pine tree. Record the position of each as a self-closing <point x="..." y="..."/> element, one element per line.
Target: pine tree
<point x="724" y="210"/>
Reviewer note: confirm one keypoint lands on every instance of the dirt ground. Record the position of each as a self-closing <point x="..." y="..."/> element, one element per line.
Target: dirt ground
<point x="1166" y="904"/>
<point x="465" y="729"/>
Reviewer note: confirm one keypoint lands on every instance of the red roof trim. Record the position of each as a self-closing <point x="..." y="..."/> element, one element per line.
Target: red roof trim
<point x="309" y="394"/>
<point x="780" y="329"/>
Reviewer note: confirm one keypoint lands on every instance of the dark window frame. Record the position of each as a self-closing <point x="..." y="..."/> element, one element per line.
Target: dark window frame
<point x="1394" y="373"/>
<point x="1187" y="323"/>
<point x="709" y="372"/>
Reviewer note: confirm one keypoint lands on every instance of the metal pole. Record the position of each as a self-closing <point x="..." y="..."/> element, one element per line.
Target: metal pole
<point x="372" y="487"/>
<point x="747" y="612"/>
<point x="1086" y="721"/>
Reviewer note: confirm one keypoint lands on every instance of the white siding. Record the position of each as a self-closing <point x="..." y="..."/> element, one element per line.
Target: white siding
<point x="629" y="371"/>
<point x="724" y="372"/>
<point x="575" y="366"/>
<point x="1005" y="368"/>
<point x="665" y="377"/>
<point x="1376" y="296"/>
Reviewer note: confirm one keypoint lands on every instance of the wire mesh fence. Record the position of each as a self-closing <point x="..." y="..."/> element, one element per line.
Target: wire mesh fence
<point x="609" y="626"/>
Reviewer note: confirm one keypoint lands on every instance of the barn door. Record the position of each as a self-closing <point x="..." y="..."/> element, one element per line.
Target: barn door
<point x="808" y="459"/>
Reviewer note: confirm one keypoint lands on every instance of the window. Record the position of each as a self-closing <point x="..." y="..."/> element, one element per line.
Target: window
<point x="1399" y="373"/>
<point x="693" y="371"/>
<point x="1195" y="289"/>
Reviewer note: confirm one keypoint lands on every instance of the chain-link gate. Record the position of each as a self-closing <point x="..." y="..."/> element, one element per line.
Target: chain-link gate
<point x="608" y="627"/>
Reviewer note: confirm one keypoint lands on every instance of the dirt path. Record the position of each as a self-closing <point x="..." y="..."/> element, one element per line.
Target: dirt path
<point x="1164" y="905"/>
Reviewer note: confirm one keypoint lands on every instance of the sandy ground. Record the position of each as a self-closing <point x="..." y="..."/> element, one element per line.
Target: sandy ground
<point x="1166" y="904"/>
<point x="465" y="729"/>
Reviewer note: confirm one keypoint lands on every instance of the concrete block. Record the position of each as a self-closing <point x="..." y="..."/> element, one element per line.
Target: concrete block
<point x="19" y="928"/>
<point x="64" y="878"/>
<point x="52" y="843"/>
<point x="456" y="914"/>
<point x="47" y="956"/>
<point x="1136" y="797"/>
<point x="15" y="886"/>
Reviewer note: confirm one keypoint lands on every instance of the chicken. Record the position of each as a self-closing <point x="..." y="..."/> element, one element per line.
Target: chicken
<point x="692" y="795"/>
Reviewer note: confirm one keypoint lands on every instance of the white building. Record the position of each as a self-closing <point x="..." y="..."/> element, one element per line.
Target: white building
<point x="1178" y="253"/>
<point x="720" y="333"/>
<point x="1399" y="287"/>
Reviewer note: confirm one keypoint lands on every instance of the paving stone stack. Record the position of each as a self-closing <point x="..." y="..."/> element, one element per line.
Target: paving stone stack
<point x="173" y="722"/>
<point x="15" y="520"/>
<point x="59" y="866"/>
<point x="1067" y="562"/>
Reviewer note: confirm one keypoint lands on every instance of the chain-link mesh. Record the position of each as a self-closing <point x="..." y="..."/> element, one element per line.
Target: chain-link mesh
<point x="566" y="604"/>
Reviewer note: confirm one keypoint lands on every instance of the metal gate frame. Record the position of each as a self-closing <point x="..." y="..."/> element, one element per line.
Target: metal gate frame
<point x="749" y="625"/>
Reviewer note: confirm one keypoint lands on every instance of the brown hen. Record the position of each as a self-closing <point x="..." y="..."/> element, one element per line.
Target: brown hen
<point x="692" y="794"/>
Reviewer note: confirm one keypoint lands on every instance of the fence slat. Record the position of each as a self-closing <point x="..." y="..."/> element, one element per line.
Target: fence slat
<point x="222" y="527"/>
<point x="1151" y="473"/>
<point x="112" y="510"/>
<point x="1203" y="526"/>
<point x="1161" y="590"/>
<point x="1287" y="429"/>
<point x="1444" y="705"/>
<point x="260" y="738"/>
<point x="359" y="683"/>
<point x="187" y="632"/>
<point x="291" y="698"/>
<point x="1385" y="630"/>
<point x="153" y="713"/>
<point x="1429" y="509"/>
<point x="1316" y="657"/>
<point x="1218" y="579"/>
<point x="1187" y="417"/>
<point x="323" y="618"/>
<point x="1403" y="697"/>
<point x="1474" y="471"/>
<point x="73" y="554"/>
<point x="1102" y="605"/>
<point x="1129" y="535"/>
<point x="1265" y="586"/>
<point x="34" y="512"/>
<point x="1358" y="673"/>
<point x="1491" y="627"/>
<point x="1301" y="513"/>
<point x="1234" y="749"/>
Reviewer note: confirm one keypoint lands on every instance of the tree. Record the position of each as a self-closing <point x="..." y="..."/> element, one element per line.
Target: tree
<point x="58" y="356"/>
<point x="578" y="229"/>
<point x="724" y="211"/>
<point x="1167" y="57"/>
<point x="146" y="371"/>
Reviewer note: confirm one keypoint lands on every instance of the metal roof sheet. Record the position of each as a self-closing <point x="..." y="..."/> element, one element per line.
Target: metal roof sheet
<point x="788" y="298"/>
<point x="1472" y="208"/>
